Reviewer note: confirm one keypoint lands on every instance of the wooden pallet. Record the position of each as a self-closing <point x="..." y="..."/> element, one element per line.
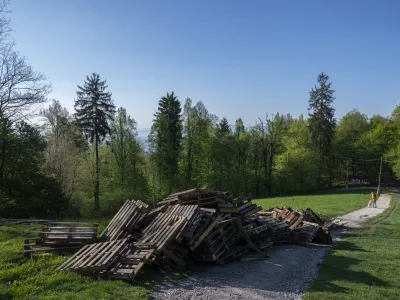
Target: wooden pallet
<point x="95" y="257"/>
<point x="197" y="196"/>
<point x="164" y="228"/>
<point x="185" y="211"/>
<point x="125" y="220"/>
<point x="60" y="237"/>
<point x="129" y="262"/>
<point x="34" y="246"/>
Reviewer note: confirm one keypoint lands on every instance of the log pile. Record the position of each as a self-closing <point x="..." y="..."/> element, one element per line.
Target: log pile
<point x="194" y="225"/>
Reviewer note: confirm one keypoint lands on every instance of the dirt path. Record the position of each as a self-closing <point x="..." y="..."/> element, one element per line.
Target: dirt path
<point x="354" y="218"/>
<point x="286" y="275"/>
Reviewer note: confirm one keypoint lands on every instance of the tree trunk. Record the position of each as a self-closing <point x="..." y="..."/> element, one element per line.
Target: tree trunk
<point x="319" y="170"/>
<point x="97" y="183"/>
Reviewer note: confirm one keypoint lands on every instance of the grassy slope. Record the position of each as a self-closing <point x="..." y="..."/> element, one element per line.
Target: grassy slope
<point x="330" y="205"/>
<point x="26" y="278"/>
<point x="365" y="264"/>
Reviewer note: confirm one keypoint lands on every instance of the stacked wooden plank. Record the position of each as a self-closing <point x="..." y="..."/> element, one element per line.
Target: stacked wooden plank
<point x="218" y="245"/>
<point x="260" y="235"/>
<point x="239" y="207"/>
<point x="129" y="262"/>
<point x="193" y="225"/>
<point x="113" y="259"/>
<point x="61" y="236"/>
<point x="279" y="232"/>
<point x="311" y="233"/>
<point x="200" y="197"/>
<point x="306" y="226"/>
<point x="124" y="222"/>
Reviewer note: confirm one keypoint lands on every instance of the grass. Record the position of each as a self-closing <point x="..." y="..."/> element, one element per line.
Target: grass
<point x="331" y="205"/>
<point x="35" y="278"/>
<point x="365" y="264"/>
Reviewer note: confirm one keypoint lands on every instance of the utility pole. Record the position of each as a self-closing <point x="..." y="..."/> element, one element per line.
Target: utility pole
<point x="154" y="188"/>
<point x="347" y="174"/>
<point x="379" y="179"/>
<point x="287" y="171"/>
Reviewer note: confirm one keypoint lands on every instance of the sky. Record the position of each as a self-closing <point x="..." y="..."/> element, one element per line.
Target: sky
<point x="241" y="58"/>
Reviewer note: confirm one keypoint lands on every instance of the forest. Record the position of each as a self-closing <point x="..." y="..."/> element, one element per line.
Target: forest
<point x="86" y="162"/>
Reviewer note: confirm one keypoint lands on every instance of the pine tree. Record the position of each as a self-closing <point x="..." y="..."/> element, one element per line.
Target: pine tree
<point x="223" y="126"/>
<point x="94" y="110"/>
<point x="166" y="138"/>
<point x="321" y="118"/>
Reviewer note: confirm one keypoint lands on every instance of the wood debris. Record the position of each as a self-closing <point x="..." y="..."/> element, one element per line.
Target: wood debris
<point x="194" y="225"/>
<point x="61" y="237"/>
<point x="306" y="226"/>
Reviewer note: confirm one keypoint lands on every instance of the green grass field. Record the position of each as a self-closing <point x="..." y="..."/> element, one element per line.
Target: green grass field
<point x="25" y="278"/>
<point x="331" y="205"/>
<point x="365" y="264"/>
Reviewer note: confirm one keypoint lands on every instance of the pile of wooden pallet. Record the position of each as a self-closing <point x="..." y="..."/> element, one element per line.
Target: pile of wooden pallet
<point x="278" y="231"/>
<point x="306" y="226"/>
<point x="61" y="237"/>
<point x="194" y="225"/>
<point x="202" y="198"/>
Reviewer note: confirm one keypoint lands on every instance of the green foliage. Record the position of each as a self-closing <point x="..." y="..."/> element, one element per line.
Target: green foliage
<point x="128" y="157"/>
<point x="65" y="152"/>
<point x="364" y="263"/>
<point x="94" y="110"/>
<point x="322" y="121"/>
<point x="24" y="189"/>
<point x="165" y="141"/>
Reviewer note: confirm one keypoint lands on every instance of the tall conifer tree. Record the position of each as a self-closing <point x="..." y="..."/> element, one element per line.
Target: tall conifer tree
<point x="166" y="139"/>
<point x="321" y="118"/>
<point x="94" y="110"/>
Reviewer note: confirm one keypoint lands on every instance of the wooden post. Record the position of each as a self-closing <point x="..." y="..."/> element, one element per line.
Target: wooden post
<point x="379" y="179"/>
<point x="287" y="171"/>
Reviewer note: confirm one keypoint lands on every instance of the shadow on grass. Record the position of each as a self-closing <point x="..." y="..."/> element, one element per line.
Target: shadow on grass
<point x="348" y="246"/>
<point x="339" y="270"/>
<point x="153" y="278"/>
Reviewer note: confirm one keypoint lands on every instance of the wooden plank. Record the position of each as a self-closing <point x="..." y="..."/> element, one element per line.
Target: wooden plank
<point x="205" y="233"/>
<point x="126" y="268"/>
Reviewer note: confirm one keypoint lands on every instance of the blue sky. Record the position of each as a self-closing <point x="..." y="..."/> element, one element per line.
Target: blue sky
<point x="241" y="58"/>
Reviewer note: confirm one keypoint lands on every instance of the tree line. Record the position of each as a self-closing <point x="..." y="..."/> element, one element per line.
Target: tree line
<point x="90" y="160"/>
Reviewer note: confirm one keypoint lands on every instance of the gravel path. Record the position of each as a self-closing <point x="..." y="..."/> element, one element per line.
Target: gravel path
<point x="286" y="275"/>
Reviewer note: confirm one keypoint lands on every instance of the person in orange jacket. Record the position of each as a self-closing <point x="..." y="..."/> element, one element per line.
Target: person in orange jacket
<point x="372" y="202"/>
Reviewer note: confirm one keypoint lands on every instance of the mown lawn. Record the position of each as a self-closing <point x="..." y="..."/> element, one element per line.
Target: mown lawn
<point x="365" y="264"/>
<point x="331" y="205"/>
<point x="35" y="278"/>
